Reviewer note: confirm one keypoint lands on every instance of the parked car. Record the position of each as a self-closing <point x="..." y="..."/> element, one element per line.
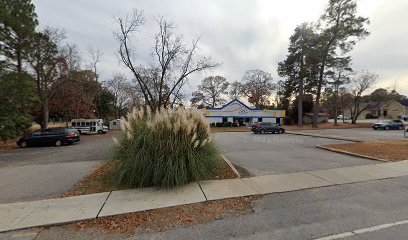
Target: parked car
<point x="56" y="137"/>
<point x="404" y="117"/>
<point x="340" y="117"/>
<point x="389" y="124"/>
<point x="265" y="127"/>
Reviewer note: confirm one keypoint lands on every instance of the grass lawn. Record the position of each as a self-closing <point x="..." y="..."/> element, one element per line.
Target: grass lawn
<point x="396" y="150"/>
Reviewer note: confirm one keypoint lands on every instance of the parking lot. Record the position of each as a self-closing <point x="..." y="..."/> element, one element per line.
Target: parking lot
<point x="363" y="134"/>
<point x="45" y="172"/>
<point x="276" y="154"/>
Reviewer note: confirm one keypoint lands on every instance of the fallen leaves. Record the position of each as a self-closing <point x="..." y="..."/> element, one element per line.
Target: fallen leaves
<point x="165" y="218"/>
<point x="396" y="150"/>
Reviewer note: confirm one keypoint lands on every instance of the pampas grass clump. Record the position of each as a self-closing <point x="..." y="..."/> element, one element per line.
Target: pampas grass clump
<point x="168" y="148"/>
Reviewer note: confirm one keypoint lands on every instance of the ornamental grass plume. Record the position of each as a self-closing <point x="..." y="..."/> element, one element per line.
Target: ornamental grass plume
<point x="168" y="148"/>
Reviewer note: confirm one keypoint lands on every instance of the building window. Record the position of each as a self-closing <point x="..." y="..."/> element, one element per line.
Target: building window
<point x="114" y="123"/>
<point x="247" y="120"/>
<point x="259" y="119"/>
<point x="224" y="119"/>
<point x="385" y="113"/>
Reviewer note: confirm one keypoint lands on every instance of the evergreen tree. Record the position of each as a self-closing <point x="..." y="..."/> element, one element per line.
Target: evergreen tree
<point x="18" y="21"/>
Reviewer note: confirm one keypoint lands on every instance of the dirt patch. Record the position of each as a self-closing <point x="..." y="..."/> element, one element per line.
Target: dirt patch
<point x="8" y="144"/>
<point x="230" y="129"/>
<point x="99" y="180"/>
<point x="388" y="150"/>
<point x="328" y="126"/>
<point x="167" y="218"/>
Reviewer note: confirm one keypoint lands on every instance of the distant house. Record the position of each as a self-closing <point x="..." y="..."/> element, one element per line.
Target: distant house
<point x="237" y="112"/>
<point x="383" y="110"/>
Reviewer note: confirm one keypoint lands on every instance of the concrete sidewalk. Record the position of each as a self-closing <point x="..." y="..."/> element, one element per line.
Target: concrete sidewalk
<point x="56" y="211"/>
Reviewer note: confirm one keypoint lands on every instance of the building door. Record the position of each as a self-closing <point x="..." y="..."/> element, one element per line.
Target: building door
<point x="278" y="120"/>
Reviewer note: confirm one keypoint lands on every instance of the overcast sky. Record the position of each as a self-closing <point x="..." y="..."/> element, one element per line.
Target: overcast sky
<point x="242" y="34"/>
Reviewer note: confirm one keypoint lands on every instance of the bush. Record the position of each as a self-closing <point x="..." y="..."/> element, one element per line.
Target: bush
<point x="212" y="124"/>
<point x="167" y="149"/>
<point x="227" y="124"/>
<point x="235" y="124"/>
<point x="218" y="124"/>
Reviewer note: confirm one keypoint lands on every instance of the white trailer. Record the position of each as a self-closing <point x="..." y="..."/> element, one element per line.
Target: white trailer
<point x="89" y="126"/>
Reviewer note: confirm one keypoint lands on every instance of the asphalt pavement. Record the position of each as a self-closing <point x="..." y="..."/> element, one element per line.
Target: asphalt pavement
<point x="311" y="214"/>
<point x="362" y="134"/>
<point x="282" y="153"/>
<point x="45" y="172"/>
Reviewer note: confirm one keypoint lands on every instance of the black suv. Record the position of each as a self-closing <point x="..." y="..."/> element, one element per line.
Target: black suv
<point x="264" y="127"/>
<point x="53" y="136"/>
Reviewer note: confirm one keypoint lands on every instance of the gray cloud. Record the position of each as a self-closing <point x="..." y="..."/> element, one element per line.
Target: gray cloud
<point x="240" y="34"/>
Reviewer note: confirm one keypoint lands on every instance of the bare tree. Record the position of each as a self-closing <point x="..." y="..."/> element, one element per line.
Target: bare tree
<point x="72" y="57"/>
<point x="119" y="87"/>
<point x="360" y="84"/>
<point x="45" y="59"/>
<point x="211" y="91"/>
<point x="257" y="86"/>
<point x="96" y="55"/>
<point x="172" y="60"/>
<point x="235" y="90"/>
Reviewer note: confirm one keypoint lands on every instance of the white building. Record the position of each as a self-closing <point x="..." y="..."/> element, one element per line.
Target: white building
<point x="237" y="111"/>
<point x="114" y="124"/>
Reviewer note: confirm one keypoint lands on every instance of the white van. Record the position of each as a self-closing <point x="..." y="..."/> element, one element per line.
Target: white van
<point x="89" y="126"/>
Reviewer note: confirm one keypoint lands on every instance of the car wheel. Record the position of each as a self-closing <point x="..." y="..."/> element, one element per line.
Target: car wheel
<point x="262" y="131"/>
<point x="280" y="131"/>
<point x="100" y="131"/>
<point x="58" y="143"/>
<point x="23" y="144"/>
<point x="387" y="128"/>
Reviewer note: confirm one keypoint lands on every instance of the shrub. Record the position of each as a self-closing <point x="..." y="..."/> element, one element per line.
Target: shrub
<point x="235" y="124"/>
<point x="227" y="124"/>
<point x="218" y="124"/>
<point x="212" y="124"/>
<point x="168" y="148"/>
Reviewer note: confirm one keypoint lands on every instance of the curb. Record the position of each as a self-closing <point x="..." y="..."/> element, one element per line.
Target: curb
<point x="231" y="166"/>
<point x="351" y="154"/>
<point x="321" y="136"/>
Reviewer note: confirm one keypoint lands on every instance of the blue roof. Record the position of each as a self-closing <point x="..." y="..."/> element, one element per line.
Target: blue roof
<point x="231" y="102"/>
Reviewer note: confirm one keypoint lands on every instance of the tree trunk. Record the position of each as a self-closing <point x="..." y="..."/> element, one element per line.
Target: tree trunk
<point x="336" y="87"/>
<point x="300" y="104"/>
<point x="300" y="96"/>
<point x="316" y="107"/>
<point x="45" y="113"/>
